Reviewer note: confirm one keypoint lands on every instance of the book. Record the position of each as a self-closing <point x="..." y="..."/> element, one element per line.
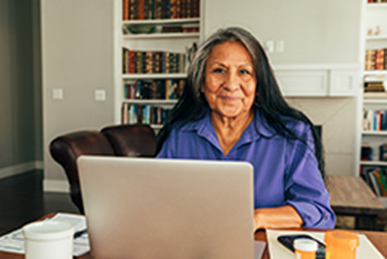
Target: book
<point x="366" y="153"/>
<point x="374" y="183"/>
<point x="383" y="191"/>
<point x="125" y="10"/>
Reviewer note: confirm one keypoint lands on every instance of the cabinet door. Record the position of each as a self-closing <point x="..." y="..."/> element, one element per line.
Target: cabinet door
<point x="303" y="83"/>
<point x="343" y="83"/>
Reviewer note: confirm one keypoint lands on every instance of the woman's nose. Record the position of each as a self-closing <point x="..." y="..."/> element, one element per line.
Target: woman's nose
<point x="232" y="82"/>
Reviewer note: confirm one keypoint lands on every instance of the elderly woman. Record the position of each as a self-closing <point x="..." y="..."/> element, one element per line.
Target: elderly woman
<point x="232" y="109"/>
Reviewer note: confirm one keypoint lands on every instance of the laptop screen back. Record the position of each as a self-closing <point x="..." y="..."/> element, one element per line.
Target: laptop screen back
<point x="167" y="208"/>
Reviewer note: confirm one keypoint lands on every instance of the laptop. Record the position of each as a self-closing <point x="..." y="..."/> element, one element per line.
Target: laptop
<point x="167" y="208"/>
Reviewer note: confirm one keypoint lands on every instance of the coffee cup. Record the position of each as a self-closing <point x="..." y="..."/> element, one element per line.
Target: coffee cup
<point x="48" y="239"/>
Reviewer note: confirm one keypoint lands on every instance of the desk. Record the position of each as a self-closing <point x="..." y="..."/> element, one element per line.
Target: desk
<point x="379" y="240"/>
<point x="351" y="196"/>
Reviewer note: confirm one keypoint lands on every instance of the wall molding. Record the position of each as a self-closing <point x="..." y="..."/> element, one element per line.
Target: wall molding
<point x="56" y="186"/>
<point x="20" y="168"/>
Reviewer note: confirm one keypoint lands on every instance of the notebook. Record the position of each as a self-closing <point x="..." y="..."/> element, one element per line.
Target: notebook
<point x="167" y="208"/>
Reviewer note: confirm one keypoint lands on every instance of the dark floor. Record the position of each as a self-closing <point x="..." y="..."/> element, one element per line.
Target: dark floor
<point x="22" y="200"/>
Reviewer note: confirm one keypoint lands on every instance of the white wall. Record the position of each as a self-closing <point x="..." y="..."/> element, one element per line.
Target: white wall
<point x="314" y="31"/>
<point x="77" y="57"/>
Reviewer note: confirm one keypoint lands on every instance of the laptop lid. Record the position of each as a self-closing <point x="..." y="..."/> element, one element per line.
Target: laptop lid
<point x="167" y="208"/>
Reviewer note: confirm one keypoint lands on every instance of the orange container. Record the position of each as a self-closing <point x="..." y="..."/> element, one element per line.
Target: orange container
<point x="340" y="244"/>
<point x="305" y="248"/>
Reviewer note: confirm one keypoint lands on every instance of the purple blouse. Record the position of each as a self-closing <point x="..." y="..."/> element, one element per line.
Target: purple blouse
<point x="285" y="172"/>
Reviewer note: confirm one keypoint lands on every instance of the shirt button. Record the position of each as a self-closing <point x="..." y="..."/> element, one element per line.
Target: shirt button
<point x="231" y="156"/>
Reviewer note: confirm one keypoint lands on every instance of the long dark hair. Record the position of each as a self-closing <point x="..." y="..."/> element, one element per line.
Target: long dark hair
<point x="269" y="101"/>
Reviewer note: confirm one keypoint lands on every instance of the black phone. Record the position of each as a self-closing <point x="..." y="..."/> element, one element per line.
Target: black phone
<point x="287" y="241"/>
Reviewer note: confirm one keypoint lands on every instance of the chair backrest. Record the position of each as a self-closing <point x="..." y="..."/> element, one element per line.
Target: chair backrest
<point x="131" y="140"/>
<point x="120" y="140"/>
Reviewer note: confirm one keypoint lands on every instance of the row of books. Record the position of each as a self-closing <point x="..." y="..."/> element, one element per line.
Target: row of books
<point x="180" y="28"/>
<point x="143" y="114"/>
<point x="376" y="178"/>
<point x="376" y="59"/>
<point x="374" y="120"/>
<point x="150" y="62"/>
<point x="377" y="1"/>
<point x="367" y="153"/>
<point x="159" y="9"/>
<point x="163" y="89"/>
<point x="376" y="86"/>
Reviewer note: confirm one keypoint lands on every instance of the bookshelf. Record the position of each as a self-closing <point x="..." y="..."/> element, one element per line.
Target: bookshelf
<point x="373" y="158"/>
<point x="153" y="39"/>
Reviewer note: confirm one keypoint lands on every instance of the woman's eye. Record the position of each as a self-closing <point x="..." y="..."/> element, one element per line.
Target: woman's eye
<point x="244" y="72"/>
<point x="218" y="70"/>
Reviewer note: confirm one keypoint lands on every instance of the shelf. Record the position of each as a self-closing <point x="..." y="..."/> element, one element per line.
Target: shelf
<point x="373" y="163"/>
<point x="162" y="21"/>
<point x="375" y="72"/>
<point x="374" y="133"/>
<point x="147" y="101"/>
<point x="154" y="76"/>
<point x="375" y="101"/>
<point x="373" y="97"/>
<point x="376" y="5"/>
<point x="376" y="37"/>
<point x="162" y="35"/>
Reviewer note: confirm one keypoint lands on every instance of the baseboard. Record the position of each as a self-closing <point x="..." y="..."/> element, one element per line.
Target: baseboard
<point x="20" y="168"/>
<point x="56" y="186"/>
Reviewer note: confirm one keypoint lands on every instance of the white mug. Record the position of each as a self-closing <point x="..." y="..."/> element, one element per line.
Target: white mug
<point x="48" y="240"/>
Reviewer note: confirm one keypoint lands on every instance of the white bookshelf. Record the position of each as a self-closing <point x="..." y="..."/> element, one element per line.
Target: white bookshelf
<point x="373" y="163"/>
<point x="375" y="37"/>
<point x="169" y="35"/>
<point x="162" y="21"/>
<point x="374" y="133"/>
<point x="156" y="41"/>
<point x="150" y="102"/>
<point x="153" y="76"/>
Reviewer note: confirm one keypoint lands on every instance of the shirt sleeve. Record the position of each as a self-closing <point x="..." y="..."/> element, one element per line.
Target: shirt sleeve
<point x="304" y="186"/>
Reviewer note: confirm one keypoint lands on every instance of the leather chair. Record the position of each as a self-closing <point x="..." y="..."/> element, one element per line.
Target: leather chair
<point x="121" y="140"/>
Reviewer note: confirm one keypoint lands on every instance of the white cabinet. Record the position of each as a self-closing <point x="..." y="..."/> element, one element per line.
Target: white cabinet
<point x="323" y="80"/>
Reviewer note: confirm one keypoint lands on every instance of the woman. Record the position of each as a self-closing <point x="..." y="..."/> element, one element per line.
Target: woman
<point x="232" y="109"/>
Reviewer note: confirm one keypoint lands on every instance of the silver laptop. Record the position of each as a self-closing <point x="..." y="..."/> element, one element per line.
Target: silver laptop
<point x="167" y="208"/>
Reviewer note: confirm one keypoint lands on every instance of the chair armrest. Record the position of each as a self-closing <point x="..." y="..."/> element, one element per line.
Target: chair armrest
<point x="67" y="148"/>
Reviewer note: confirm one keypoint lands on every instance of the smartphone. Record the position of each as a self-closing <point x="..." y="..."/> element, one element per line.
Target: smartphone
<point x="287" y="241"/>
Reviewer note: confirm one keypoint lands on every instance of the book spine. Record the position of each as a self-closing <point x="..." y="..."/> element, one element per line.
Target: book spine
<point x="125" y="10"/>
<point x="374" y="183"/>
<point x="159" y="9"/>
<point x="124" y="113"/>
<point x="140" y="9"/>
<point x="132" y="9"/>
<point x="379" y="182"/>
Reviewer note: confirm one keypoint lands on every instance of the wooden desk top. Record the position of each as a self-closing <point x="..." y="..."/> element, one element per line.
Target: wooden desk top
<point x="351" y="195"/>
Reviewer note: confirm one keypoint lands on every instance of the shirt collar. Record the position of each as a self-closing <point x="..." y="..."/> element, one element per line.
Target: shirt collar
<point x="257" y="128"/>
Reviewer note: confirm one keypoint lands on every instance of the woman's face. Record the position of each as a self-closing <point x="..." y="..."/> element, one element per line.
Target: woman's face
<point x="230" y="81"/>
